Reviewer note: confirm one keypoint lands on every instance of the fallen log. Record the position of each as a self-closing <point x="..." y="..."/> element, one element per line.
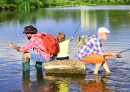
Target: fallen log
<point x="70" y="66"/>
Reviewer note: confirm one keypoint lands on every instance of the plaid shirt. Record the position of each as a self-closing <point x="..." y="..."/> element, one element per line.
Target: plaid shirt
<point x="37" y="44"/>
<point x="95" y="47"/>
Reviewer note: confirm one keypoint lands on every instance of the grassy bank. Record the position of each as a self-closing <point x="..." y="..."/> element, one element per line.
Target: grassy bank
<point x="19" y="4"/>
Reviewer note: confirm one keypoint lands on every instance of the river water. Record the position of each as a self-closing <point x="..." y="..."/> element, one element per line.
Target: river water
<point x="66" y="19"/>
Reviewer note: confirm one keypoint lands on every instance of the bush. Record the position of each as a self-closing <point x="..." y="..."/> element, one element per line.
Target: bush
<point x="38" y="4"/>
<point x="128" y="2"/>
<point x="84" y="3"/>
<point x="57" y="4"/>
<point x="62" y="4"/>
<point x="68" y="3"/>
<point x="13" y="6"/>
<point x="0" y="6"/>
<point x="6" y="6"/>
<point x="25" y="4"/>
<point x="32" y="5"/>
<point x="53" y="4"/>
<point x="20" y="6"/>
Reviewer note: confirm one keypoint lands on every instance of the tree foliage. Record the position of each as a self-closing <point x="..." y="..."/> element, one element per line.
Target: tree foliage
<point x="47" y="3"/>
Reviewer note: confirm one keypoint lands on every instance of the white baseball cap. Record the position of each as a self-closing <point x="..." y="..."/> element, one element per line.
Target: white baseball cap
<point x="103" y="29"/>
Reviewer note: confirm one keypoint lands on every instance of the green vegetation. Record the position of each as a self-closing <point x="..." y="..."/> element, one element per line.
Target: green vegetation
<point x="16" y="4"/>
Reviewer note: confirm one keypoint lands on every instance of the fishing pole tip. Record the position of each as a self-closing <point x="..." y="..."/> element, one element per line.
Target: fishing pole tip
<point x="118" y="56"/>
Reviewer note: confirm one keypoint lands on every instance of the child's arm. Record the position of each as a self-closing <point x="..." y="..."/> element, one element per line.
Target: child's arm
<point x="71" y="38"/>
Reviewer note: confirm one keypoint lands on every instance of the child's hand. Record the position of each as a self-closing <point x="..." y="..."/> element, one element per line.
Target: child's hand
<point x="71" y="38"/>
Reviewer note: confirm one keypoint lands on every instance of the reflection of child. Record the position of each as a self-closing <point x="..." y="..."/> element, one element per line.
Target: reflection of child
<point x="63" y="45"/>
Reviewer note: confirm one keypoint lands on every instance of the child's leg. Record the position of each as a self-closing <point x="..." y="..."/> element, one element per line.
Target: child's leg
<point x="105" y="65"/>
<point x="97" y="66"/>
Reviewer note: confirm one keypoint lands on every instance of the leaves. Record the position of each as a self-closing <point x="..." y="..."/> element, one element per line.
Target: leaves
<point x="44" y="3"/>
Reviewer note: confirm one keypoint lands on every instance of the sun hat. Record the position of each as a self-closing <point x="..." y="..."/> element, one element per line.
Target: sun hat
<point x="29" y="29"/>
<point x="103" y="29"/>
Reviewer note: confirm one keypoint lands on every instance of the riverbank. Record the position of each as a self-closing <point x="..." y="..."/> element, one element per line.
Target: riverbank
<point x="17" y="4"/>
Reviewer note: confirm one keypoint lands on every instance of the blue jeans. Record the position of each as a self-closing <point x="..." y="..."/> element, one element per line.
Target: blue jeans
<point x="62" y="58"/>
<point x="35" y="56"/>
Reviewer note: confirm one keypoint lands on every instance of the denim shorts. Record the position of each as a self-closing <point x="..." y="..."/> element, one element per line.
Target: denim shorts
<point x="35" y="56"/>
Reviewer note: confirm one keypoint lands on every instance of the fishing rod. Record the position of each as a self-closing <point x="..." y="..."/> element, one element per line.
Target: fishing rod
<point x="119" y="56"/>
<point x="124" y="51"/>
<point x="3" y="43"/>
<point x="6" y="44"/>
<point x="78" y="26"/>
<point x="77" y="29"/>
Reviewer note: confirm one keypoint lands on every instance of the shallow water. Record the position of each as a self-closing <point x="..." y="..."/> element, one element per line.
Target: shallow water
<point x="66" y="19"/>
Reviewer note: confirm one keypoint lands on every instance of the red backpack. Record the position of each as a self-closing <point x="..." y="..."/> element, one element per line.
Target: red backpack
<point x="50" y="43"/>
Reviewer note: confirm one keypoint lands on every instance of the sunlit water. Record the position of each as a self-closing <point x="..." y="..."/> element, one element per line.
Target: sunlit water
<point x="67" y="20"/>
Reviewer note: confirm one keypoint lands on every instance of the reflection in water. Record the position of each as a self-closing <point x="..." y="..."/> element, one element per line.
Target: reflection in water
<point x="37" y="86"/>
<point x="26" y="81"/>
<point x="79" y="83"/>
<point x="63" y="85"/>
<point x="95" y="85"/>
<point x="40" y="84"/>
<point x="65" y="82"/>
<point x="89" y="20"/>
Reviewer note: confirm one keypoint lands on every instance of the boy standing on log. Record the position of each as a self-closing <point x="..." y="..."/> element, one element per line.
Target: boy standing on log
<point x="92" y="51"/>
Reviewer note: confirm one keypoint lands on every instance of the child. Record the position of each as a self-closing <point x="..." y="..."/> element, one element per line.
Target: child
<point x="63" y="46"/>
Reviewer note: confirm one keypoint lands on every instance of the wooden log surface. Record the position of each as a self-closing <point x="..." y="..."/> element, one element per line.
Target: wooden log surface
<point x="70" y="66"/>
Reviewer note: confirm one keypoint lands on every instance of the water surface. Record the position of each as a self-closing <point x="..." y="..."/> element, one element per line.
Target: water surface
<point x="66" y="19"/>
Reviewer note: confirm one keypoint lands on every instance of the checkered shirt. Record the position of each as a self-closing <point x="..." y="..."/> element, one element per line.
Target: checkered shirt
<point x="95" y="47"/>
<point x="37" y="44"/>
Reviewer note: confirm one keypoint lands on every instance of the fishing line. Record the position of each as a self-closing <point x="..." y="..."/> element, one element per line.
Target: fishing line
<point x="119" y="56"/>
<point x="124" y="51"/>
